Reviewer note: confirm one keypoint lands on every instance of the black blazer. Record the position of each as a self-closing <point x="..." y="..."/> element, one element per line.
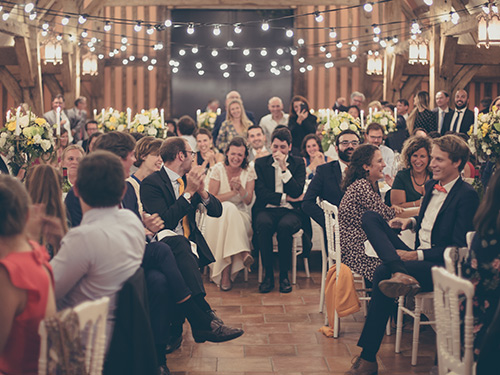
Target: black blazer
<point x="326" y="185"/>
<point x="446" y="121"/>
<point x="453" y="221"/>
<point x="158" y="196"/>
<point x="467" y="121"/>
<point x="265" y="189"/>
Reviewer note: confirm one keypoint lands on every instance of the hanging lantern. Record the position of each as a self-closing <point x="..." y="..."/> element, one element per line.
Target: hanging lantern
<point x="489" y="27"/>
<point x="374" y="63"/>
<point x="417" y="52"/>
<point x="53" y="52"/>
<point x="89" y="64"/>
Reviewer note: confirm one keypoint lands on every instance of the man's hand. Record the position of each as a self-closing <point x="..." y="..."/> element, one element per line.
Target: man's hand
<point x="194" y="179"/>
<point x="397" y="209"/>
<point x="400" y="223"/>
<point x="407" y="255"/>
<point x="298" y="199"/>
<point x="153" y="223"/>
<point x="281" y="159"/>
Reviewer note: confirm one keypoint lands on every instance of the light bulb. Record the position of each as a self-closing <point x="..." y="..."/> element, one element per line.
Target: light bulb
<point x="123" y="48"/>
<point x="125" y="61"/>
<point x="124" y="40"/>
<point x="428" y="2"/>
<point x="150" y="30"/>
<point x="322" y="48"/>
<point x="289" y="33"/>
<point x="230" y="43"/>
<point x="194" y="50"/>
<point x="226" y="75"/>
<point x="153" y="61"/>
<point x="168" y="23"/>
<point x="131" y="58"/>
<point x="376" y="29"/>
<point x="263" y="52"/>
<point x="29" y="7"/>
<point x="368" y="7"/>
<point x="280" y="51"/>
<point x="190" y="29"/>
<point x="84" y="33"/>
<point x="216" y="30"/>
<point x="333" y="33"/>
<point x="150" y="67"/>
<point x="300" y="42"/>
<point x="198" y="65"/>
<point x="274" y="63"/>
<point x="45" y="26"/>
<point x="65" y="21"/>
<point x="32" y="16"/>
<point x="215" y="52"/>
<point x="201" y="72"/>
<point x="138" y="27"/>
<point x="223" y="66"/>
<point x="100" y="56"/>
<point x="145" y="58"/>
<point x="251" y="74"/>
<point x="265" y="26"/>
<point x="339" y="45"/>
<point x="246" y="52"/>
<point x="82" y="19"/>
<point x="182" y="52"/>
<point x="107" y="26"/>
<point x="302" y="69"/>
<point x="318" y="17"/>
<point x="237" y="29"/>
<point x="301" y="60"/>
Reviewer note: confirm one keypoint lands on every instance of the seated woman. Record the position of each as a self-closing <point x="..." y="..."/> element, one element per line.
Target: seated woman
<point x="236" y="124"/>
<point x="408" y="186"/>
<point x="301" y="122"/>
<point x="26" y="283"/>
<point x="354" y="111"/>
<point x="71" y="157"/>
<point x="148" y="160"/>
<point x="312" y="152"/>
<point x="207" y="153"/>
<point x="44" y="187"/>
<point x="63" y="143"/>
<point x="483" y="269"/>
<point x="362" y="194"/>
<point x="232" y="182"/>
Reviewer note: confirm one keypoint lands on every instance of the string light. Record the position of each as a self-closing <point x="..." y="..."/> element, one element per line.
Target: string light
<point x="150" y="30"/>
<point x="45" y="26"/>
<point x="280" y="51"/>
<point x="201" y="72"/>
<point x="302" y="69"/>
<point x="223" y="66"/>
<point x="84" y="33"/>
<point x="322" y="48"/>
<point x="29" y="7"/>
<point x="198" y="65"/>
<point x="175" y="69"/>
<point x="215" y="53"/>
<point x="190" y="29"/>
<point x="274" y="63"/>
<point x="265" y="26"/>
<point x="44" y="33"/>
<point x="251" y="74"/>
<point x="216" y="30"/>
<point x="289" y="33"/>
<point x="293" y="52"/>
<point x="454" y="17"/>
<point x="263" y="52"/>
<point x="300" y="42"/>
<point x="368" y="7"/>
<point x="5" y="16"/>
<point x="246" y="52"/>
<point x="328" y="55"/>
<point x="332" y="33"/>
<point x="123" y="48"/>
<point x="226" y="74"/>
<point x="124" y="40"/>
<point x="131" y="57"/>
<point x="168" y="23"/>
<point x="182" y="52"/>
<point x="145" y="58"/>
<point x="158" y="46"/>
<point x="309" y="67"/>
<point x="376" y="29"/>
<point x="230" y="44"/>
<point x="237" y="29"/>
<point x="428" y="2"/>
<point x="65" y="21"/>
<point x="138" y="27"/>
<point x="100" y="56"/>
<point x="376" y="38"/>
<point x="194" y="50"/>
<point x="82" y="19"/>
<point x="248" y="67"/>
<point x="150" y="67"/>
<point x="318" y="17"/>
<point x="301" y="60"/>
<point x="339" y="44"/>
<point x="153" y="61"/>
<point x="32" y="16"/>
<point x="125" y="61"/>
<point x="107" y="26"/>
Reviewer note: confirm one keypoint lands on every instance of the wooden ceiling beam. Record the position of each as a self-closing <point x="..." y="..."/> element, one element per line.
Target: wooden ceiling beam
<point x="8" y="56"/>
<point x="227" y="4"/>
<point x="10" y="83"/>
<point x="471" y="55"/>
<point x="23" y="54"/>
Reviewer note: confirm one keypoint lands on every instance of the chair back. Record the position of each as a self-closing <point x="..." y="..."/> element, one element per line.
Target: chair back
<point x="454" y="257"/>
<point x="201" y="215"/>
<point x="74" y="340"/>
<point x="448" y="291"/>
<point x="332" y="233"/>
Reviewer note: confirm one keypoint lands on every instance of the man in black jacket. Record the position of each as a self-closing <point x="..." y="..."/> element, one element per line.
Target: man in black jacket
<point x="278" y="189"/>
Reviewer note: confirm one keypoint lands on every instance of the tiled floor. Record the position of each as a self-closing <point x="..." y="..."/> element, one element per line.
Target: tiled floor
<point x="281" y="336"/>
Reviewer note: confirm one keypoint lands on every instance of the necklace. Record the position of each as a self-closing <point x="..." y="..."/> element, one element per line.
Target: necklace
<point x="415" y="180"/>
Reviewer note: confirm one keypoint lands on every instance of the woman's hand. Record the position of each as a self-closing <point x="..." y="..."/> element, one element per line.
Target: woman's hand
<point x="153" y="223"/>
<point x="398" y="210"/>
<point x="302" y="116"/>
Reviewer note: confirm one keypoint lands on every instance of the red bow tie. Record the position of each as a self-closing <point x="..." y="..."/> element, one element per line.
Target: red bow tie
<point x="440" y="188"/>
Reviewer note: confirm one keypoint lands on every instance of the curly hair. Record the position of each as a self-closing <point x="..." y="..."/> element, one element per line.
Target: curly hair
<point x="303" y="150"/>
<point x="412" y="145"/>
<point x="363" y="155"/>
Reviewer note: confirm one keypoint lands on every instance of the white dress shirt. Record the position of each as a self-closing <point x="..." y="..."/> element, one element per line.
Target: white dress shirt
<point x="173" y="176"/>
<point x="97" y="257"/>
<point x="281" y="178"/>
<point x="456" y="120"/>
<point x="430" y="215"/>
<point x="268" y="124"/>
<point x="388" y="156"/>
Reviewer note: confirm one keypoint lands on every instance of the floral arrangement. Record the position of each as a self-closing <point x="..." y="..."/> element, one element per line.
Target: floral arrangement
<point x="35" y="140"/>
<point x="338" y="122"/>
<point x="207" y="120"/>
<point x="384" y="118"/>
<point x="486" y="141"/>
<point x="148" y="123"/>
<point x="113" y="120"/>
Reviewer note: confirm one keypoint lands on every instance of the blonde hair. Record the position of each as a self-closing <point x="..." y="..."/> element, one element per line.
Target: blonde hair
<point x="72" y="147"/>
<point x="244" y="119"/>
<point x="422" y="104"/>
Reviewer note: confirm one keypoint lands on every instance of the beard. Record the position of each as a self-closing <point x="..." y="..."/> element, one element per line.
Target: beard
<point x="460" y="106"/>
<point x="346" y="154"/>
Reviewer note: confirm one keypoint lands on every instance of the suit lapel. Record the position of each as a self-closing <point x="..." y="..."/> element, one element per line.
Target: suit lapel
<point x="450" y="196"/>
<point x="167" y="183"/>
<point x="337" y="171"/>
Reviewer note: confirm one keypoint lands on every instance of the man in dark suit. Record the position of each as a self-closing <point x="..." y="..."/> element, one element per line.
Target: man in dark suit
<point x="77" y="117"/>
<point x="463" y="117"/>
<point x="326" y="181"/>
<point x="278" y="189"/>
<point x="222" y="117"/>
<point x="443" y="111"/>
<point x="396" y="139"/>
<point x="445" y="217"/>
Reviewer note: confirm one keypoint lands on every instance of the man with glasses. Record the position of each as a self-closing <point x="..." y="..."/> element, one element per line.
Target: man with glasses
<point x="357" y="99"/>
<point x="375" y="136"/>
<point x="326" y="181"/>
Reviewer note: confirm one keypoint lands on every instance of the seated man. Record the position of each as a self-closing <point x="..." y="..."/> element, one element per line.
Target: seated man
<point x="445" y="217"/>
<point x="278" y="189"/>
<point x="97" y="257"/>
<point x="326" y="181"/>
<point x="257" y="143"/>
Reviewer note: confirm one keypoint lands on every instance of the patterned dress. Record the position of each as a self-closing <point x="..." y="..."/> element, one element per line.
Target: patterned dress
<point x="426" y="120"/>
<point x="226" y="134"/>
<point x="359" y="198"/>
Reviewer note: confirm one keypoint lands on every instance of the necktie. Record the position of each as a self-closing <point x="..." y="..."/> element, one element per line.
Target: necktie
<point x="441" y="119"/>
<point x="456" y="123"/>
<point x="440" y="188"/>
<point x="185" y="221"/>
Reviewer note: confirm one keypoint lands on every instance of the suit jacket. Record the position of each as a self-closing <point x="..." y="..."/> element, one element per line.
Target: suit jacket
<point x="453" y="221"/>
<point x="467" y="121"/>
<point x="396" y="139"/>
<point x="326" y="185"/>
<point x="50" y="116"/>
<point x="76" y="120"/>
<point x="251" y="156"/>
<point x="446" y="121"/>
<point x="158" y="196"/>
<point x="265" y="189"/>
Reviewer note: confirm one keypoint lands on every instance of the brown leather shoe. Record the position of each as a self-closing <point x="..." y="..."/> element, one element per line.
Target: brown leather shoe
<point x="362" y="367"/>
<point x="400" y="284"/>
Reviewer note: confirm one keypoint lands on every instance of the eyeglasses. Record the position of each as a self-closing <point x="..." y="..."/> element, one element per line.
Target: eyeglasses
<point x="193" y="153"/>
<point x="346" y="143"/>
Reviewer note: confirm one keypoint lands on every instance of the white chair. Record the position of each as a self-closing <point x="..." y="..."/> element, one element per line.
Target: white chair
<point x="454" y="258"/>
<point x="296" y="250"/>
<point x="453" y="357"/>
<point x="334" y="257"/>
<point x="92" y="317"/>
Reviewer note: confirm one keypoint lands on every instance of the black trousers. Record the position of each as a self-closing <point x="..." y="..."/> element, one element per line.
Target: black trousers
<point x="285" y="223"/>
<point x="385" y="242"/>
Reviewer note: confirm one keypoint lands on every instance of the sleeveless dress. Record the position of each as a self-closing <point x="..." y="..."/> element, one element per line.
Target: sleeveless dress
<point x="27" y="271"/>
<point x="229" y="234"/>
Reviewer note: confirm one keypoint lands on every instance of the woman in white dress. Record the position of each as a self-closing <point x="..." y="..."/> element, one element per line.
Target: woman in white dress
<point x="228" y="236"/>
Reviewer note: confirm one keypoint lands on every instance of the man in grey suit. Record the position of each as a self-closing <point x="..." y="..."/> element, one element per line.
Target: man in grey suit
<point x="444" y="113"/>
<point x="51" y="116"/>
<point x="78" y="117"/>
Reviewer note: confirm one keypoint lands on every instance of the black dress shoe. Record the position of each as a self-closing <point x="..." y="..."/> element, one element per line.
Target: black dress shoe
<point x="173" y="344"/>
<point x="214" y="317"/>
<point x="400" y="284"/>
<point x="163" y="370"/>
<point x="217" y="333"/>
<point x="285" y="286"/>
<point x="267" y="285"/>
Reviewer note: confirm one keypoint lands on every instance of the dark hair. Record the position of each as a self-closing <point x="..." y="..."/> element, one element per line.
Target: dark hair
<point x="237" y="142"/>
<point x="92" y="136"/>
<point x="90" y="122"/>
<point x="303" y="150"/>
<point x="486" y="102"/>
<point x="420" y="129"/>
<point x="456" y="148"/>
<point x="14" y="203"/>
<point x="172" y="121"/>
<point x="298" y="98"/>
<point x="412" y="145"/>
<point x="137" y="136"/>
<point x="171" y="147"/>
<point x="203" y="131"/>
<point x="374" y="126"/>
<point x="403" y="102"/>
<point x="432" y="134"/>
<point x="186" y="125"/>
<point x="80" y="99"/>
<point x="283" y="134"/>
<point x="363" y="155"/>
<point x="119" y="143"/>
<point x="487" y="218"/>
<point x="355" y="107"/>
<point x="255" y="127"/>
<point x="59" y="96"/>
<point x="343" y="132"/>
<point x="101" y="179"/>
<point x="146" y="146"/>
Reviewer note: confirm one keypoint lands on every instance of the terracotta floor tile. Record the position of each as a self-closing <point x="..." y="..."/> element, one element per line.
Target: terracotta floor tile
<point x="282" y="299"/>
<point x="188" y="364"/>
<point x="243" y="318"/>
<point x="269" y="309"/>
<point x="267" y="328"/>
<point x="303" y="363"/>
<point x="218" y="350"/>
<point x="320" y="350"/>
<point x="244" y="364"/>
<point x="292" y="338"/>
<point x="273" y="318"/>
<point x="269" y="350"/>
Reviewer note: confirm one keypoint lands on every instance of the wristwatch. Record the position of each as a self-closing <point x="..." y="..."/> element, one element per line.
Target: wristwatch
<point x="187" y="196"/>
